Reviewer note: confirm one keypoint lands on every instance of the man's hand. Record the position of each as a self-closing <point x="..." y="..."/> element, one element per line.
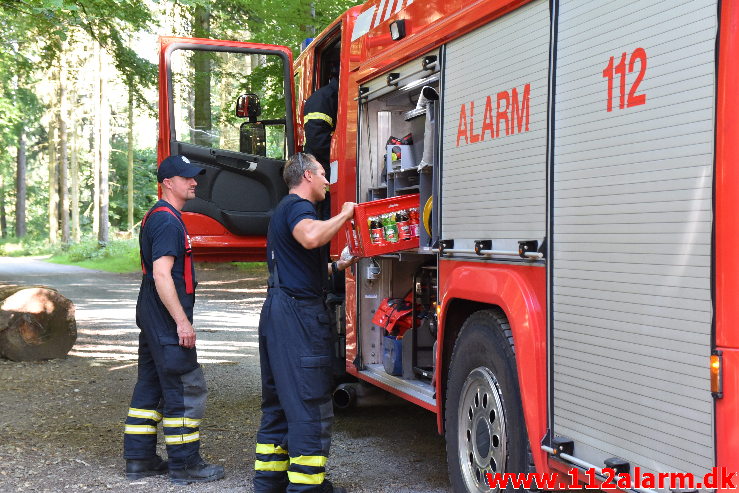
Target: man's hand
<point x="186" y="333"/>
<point x="347" y="210"/>
<point x="345" y="264"/>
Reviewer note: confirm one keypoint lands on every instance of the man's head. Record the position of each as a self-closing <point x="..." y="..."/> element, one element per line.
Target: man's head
<point x="305" y="176"/>
<point x="177" y="176"/>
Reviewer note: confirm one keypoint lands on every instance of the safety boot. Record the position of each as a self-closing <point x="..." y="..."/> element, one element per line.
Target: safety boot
<point x="200" y="472"/>
<point x="330" y="488"/>
<point x="143" y="468"/>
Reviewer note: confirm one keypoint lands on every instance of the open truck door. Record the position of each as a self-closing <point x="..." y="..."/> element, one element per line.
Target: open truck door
<point x="228" y="107"/>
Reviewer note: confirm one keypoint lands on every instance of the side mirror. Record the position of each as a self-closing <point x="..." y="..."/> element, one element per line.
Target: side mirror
<point x="248" y="106"/>
<point x="253" y="138"/>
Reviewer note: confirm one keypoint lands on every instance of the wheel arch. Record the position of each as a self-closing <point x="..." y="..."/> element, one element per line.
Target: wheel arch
<point x="518" y="292"/>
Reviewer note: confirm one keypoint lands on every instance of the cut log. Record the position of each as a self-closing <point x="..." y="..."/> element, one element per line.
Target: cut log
<point x="36" y="323"/>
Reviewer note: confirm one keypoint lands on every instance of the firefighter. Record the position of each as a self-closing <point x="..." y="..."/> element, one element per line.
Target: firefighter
<point x="319" y="122"/>
<point x="295" y="340"/>
<point x="319" y="119"/>
<point x="171" y="385"/>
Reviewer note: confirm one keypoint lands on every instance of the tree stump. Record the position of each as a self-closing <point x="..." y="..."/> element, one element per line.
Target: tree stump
<point x="36" y="323"/>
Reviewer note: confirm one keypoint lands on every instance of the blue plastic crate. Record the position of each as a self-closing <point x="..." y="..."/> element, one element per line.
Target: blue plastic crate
<point x="392" y="355"/>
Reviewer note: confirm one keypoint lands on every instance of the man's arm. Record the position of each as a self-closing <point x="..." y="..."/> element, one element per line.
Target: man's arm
<point x="342" y="265"/>
<point x="168" y="294"/>
<point x="312" y="233"/>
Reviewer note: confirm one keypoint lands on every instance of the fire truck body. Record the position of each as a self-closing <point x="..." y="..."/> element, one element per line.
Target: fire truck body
<point x="590" y="130"/>
<point x="575" y="169"/>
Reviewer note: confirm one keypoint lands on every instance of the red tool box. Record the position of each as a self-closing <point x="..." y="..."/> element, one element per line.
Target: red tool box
<point x="384" y="226"/>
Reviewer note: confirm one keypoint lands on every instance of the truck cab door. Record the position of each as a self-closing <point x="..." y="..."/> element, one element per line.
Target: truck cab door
<point x="228" y="107"/>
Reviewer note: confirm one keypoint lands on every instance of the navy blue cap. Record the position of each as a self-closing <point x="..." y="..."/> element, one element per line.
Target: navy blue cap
<point x="177" y="166"/>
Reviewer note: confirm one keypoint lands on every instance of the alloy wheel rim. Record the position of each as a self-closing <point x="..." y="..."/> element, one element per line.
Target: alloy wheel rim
<point x="481" y="429"/>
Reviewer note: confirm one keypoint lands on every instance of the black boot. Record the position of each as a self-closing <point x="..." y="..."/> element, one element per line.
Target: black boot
<point x="330" y="488"/>
<point x="143" y="468"/>
<point x="200" y="472"/>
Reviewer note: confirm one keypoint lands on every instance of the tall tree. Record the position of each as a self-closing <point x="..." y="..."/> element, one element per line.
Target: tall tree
<point x="129" y="156"/>
<point x="97" y="144"/>
<point x="53" y="184"/>
<point x="201" y="64"/>
<point x="20" y="186"/>
<point x="3" y="216"/>
<point x="62" y="115"/>
<point x="104" y="222"/>
<point x="74" y="173"/>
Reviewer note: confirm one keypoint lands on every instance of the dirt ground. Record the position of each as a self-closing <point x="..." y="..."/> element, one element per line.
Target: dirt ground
<point x="61" y="421"/>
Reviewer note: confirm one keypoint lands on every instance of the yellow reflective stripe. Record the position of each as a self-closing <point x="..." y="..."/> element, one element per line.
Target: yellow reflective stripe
<point x="299" y="477"/>
<point x="272" y="465"/>
<point x="145" y="414"/>
<point x="141" y="430"/>
<point x="268" y="448"/>
<point x="181" y="422"/>
<point x="180" y="439"/>
<point x="309" y="460"/>
<point x="318" y="116"/>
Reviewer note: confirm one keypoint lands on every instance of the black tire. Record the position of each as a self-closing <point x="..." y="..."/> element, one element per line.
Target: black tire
<point x="485" y="429"/>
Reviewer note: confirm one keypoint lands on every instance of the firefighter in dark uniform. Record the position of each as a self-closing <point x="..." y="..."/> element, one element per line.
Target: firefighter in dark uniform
<point x="171" y="385"/>
<point x="319" y="123"/>
<point x="295" y="340"/>
<point x="319" y="119"/>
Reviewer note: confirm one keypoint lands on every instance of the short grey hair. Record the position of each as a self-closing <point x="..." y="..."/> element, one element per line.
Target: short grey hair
<point x="296" y="166"/>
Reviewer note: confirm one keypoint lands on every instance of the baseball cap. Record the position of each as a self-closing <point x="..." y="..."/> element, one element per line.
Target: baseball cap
<point x="177" y="166"/>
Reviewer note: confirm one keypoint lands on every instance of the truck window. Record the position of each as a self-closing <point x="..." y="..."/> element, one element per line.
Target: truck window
<point x="205" y="87"/>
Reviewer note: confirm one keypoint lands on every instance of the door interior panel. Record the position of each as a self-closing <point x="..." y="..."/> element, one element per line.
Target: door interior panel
<point x="240" y="191"/>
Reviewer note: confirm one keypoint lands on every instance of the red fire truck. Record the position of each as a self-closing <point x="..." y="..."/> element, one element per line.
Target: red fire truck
<point x="575" y="164"/>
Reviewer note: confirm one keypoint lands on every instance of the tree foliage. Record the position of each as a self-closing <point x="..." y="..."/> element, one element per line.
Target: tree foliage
<point x="38" y="35"/>
<point x="48" y="23"/>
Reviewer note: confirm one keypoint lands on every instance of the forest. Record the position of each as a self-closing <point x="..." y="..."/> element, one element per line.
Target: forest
<point x="78" y="106"/>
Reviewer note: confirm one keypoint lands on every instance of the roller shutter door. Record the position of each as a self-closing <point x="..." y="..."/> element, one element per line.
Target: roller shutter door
<point x="494" y="131"/>
<point x="632" y="220"/>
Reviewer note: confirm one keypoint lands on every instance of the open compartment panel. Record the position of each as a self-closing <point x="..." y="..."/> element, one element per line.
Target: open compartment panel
<point x="397" y="156"/>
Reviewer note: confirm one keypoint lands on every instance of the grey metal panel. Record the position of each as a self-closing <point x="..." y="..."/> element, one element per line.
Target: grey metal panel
<point x="632" y="223"/>
<point x="496" y="188"/>
<point x="607" y="412"/>
<point x="596" y="379"/>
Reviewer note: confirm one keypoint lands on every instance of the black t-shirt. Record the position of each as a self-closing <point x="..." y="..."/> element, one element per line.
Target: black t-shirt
<point x="299" y="269"/>
<point x="164" y="235"/>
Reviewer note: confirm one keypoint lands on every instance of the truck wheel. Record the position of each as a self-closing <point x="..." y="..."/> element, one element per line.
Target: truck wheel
<point x="485" y="430"/>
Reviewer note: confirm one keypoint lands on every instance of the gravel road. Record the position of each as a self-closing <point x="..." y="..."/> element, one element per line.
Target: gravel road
<point x="61" y="421"/>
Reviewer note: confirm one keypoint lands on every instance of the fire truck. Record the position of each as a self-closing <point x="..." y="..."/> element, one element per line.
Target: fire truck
<point x="576" y="166"/>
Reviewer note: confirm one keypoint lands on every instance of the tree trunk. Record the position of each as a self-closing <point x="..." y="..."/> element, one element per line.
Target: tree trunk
<point x="96" y="144"/>
<point x="53" y="184"/>
<point x="35" y="323"/>
<point x="130" y="157"/>
<point x="63" y="164"/>
<point x="202" y="88"/>
<point x="104" y="155"/>
<point x="74" y="173"/>
<point x="20" y="186"/>
<point x="3" y="217"/>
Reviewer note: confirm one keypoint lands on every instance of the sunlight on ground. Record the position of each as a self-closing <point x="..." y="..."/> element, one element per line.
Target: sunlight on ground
<point x="208" y="351"/>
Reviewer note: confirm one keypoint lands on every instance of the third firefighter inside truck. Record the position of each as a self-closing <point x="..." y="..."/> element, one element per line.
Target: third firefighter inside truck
<point x="295" y="340"/>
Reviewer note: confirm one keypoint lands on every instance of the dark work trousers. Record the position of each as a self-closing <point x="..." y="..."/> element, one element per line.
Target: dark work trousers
<point x="295" y="358"/>
<point x="170" y="388"/>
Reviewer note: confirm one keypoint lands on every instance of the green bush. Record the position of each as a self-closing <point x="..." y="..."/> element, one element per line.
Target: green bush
<point x="119" y="255"/>
<point x="14" y="247"/>
<point x="89" y="249"/>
